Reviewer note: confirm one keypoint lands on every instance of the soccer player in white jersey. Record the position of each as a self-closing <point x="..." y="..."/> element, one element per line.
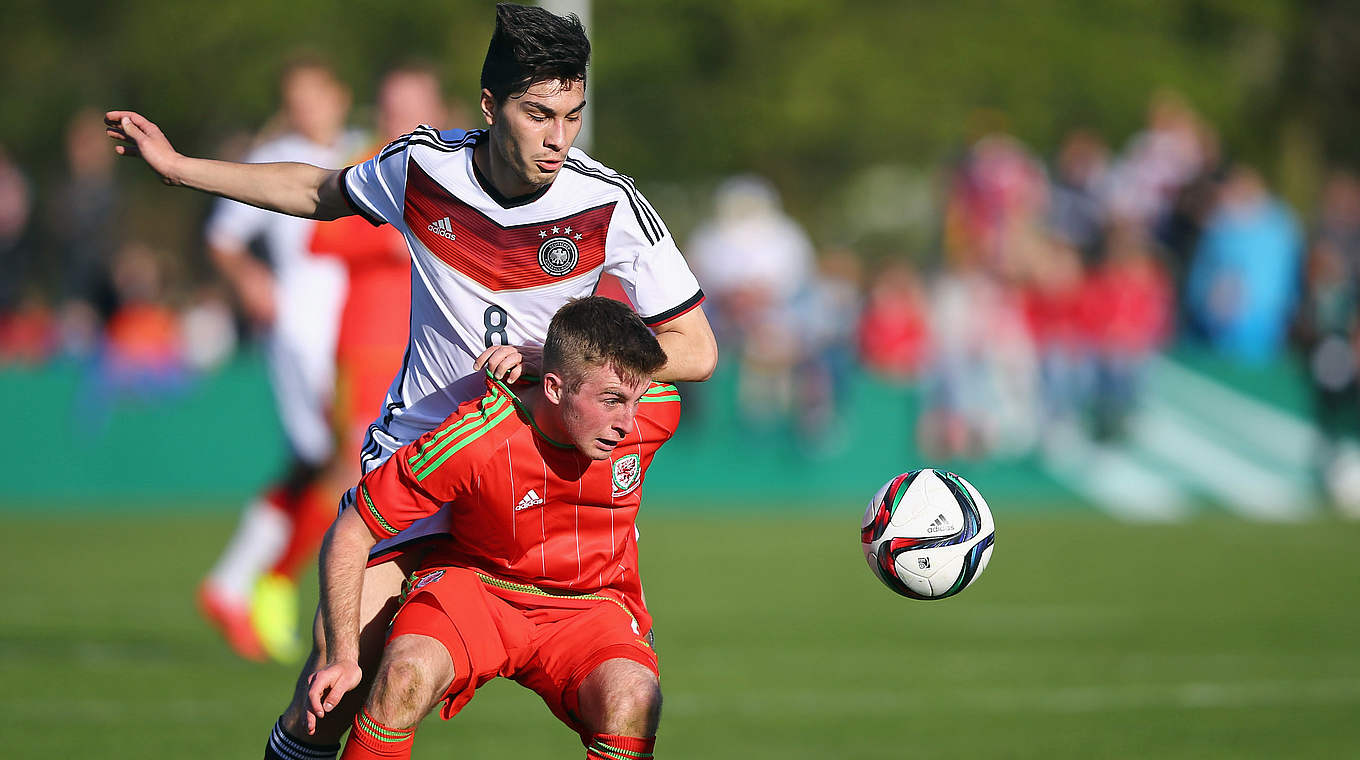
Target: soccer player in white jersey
<point x="295" y="301"/>
<point x="486" y="215"/>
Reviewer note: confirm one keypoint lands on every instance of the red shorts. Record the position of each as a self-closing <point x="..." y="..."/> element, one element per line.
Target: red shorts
<point x="493" y="628"/>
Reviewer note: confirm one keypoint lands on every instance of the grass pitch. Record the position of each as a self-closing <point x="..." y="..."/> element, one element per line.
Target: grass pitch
<point x="1084" y="639"/>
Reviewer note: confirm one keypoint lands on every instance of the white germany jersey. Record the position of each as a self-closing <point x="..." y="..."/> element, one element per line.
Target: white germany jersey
<point x="487" y="270"/>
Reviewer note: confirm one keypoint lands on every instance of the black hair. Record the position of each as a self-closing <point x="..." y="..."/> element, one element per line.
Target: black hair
<point x="533" y="45"/>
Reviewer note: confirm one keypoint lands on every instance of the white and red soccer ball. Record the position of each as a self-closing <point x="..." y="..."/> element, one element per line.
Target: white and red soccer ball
<point x="927" y="534"/>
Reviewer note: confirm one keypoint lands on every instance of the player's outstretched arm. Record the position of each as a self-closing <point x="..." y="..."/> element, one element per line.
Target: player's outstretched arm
<point x="691" y="350"/>
<point x="343" y="557"/>
<point x="289" y="188"/>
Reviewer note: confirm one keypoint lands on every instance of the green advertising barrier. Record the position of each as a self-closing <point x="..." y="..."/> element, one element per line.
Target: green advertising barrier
<point x="76" y="442"/>
<point x="212" y="441"/>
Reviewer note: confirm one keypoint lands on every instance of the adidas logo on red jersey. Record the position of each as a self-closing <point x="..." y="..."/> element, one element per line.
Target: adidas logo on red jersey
<point x="443" y="228"/>
<point x="531" y="499"/>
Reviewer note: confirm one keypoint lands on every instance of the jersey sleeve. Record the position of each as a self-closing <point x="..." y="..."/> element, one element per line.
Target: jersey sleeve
<point x="376" y="188"/>
<point x="643" y="255"/>
<point x="658" y="413"/>
<point x="417" y="479"/>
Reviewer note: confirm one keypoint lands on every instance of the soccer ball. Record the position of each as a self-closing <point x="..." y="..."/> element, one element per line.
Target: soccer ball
<point x="927" y="534"/>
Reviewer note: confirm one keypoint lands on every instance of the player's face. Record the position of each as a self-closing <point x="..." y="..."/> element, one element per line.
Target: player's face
<point x="531" y="133"/>
<point x="315" y="103"/>
<point x="599" y="413"/>
<point x="406" y="100"/>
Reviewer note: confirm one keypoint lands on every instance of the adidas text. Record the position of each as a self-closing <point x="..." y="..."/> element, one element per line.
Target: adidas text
<point x="941" y="525"/>
<point x="443" y="228"/>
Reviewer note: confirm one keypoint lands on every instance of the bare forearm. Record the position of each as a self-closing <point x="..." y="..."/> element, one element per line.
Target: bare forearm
<point x="297" y="189"/>
<point x="344" y="556"/>
<point x="289" y="188"/>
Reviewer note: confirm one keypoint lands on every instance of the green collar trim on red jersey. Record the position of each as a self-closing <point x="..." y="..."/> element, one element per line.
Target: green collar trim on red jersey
<point x="520" y="405"/>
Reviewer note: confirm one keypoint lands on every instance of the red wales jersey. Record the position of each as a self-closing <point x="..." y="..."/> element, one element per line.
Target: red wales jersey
<point x="524" y="509"/>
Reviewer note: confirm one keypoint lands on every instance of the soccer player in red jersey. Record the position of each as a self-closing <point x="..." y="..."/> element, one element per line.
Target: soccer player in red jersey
<point x="374" y="322"/>
<point x="504" y="225"/>
<point x="537" y="579"/>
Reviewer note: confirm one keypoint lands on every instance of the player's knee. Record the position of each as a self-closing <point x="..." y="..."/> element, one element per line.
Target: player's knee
<point x="621" y="697"/>
<point x="398" y="694"/>
<point x="414" y="671"/>
<point x="638" y="706"/>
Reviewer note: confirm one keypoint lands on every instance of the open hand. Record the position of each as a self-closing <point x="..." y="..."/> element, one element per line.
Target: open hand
<point x="326" y="687"/>
<point x="138" y="136"/>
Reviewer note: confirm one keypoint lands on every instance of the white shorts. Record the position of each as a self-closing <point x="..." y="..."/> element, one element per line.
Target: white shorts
<point x="303" y="379"/>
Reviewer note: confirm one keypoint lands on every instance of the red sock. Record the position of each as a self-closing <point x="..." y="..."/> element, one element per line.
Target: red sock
<point x="371" y="739"/>
<point x="311" y="515"/>
<point x="610" y="747"/>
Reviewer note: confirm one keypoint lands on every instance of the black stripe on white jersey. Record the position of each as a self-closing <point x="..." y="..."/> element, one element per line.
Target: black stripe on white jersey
<point x="640" y="206"/>
<point x="646" y="207"/>
<point x="633" y="186"/>
<point x="651" y="225"/>
<point x="355" y="205"/>
<point x="400" y="401"/>
<point x="431" y="138"/>
<point x="672" y="313"/>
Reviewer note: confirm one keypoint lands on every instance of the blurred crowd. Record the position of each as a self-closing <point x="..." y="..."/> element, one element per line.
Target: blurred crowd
<point x="1054" y="282"/>
<point x="78" y="285"/>
<point x="1031" y="323"/>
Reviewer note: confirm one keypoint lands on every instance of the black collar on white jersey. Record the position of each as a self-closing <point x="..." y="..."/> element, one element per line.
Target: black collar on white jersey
<point x="501" y="200"/>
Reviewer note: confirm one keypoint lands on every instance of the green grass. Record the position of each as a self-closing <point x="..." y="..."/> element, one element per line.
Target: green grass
<point x="1084" y="639"/>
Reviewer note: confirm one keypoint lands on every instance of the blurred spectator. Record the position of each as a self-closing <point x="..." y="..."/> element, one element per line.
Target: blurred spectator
<point x="27" y="327"/>
<point x="1159" y="161"/>
<point x="28" y="333"/>
<point x="894" y="332"/>
<point x="16" y="206"/>
<point x="1243" y="280"/>
<point x="980" y="388"/>
<point x="753" y="259"/>
<point x="142" y="337"/>
<point x="751" y="256"/>
<point x="1328" y="329"/>
<point x="1059" y="312"/>
<point x="995" y="206"/>
<point x="1076" y="211"/>
<point x="827" y="314"/>
<point x="139" y="356"/>
<point x="82" y="234"/>
<point x="1130" y="306"/>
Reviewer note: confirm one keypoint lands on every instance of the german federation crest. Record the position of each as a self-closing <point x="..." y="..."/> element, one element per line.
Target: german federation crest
<point x="627" y="474"/>
<point x="558" y="256"/>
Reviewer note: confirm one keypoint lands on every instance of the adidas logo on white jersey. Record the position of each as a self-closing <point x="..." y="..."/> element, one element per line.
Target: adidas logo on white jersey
<point x="941" y="525"/>
<point x="443" y="229"/>
<point x="531" y="499"/>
